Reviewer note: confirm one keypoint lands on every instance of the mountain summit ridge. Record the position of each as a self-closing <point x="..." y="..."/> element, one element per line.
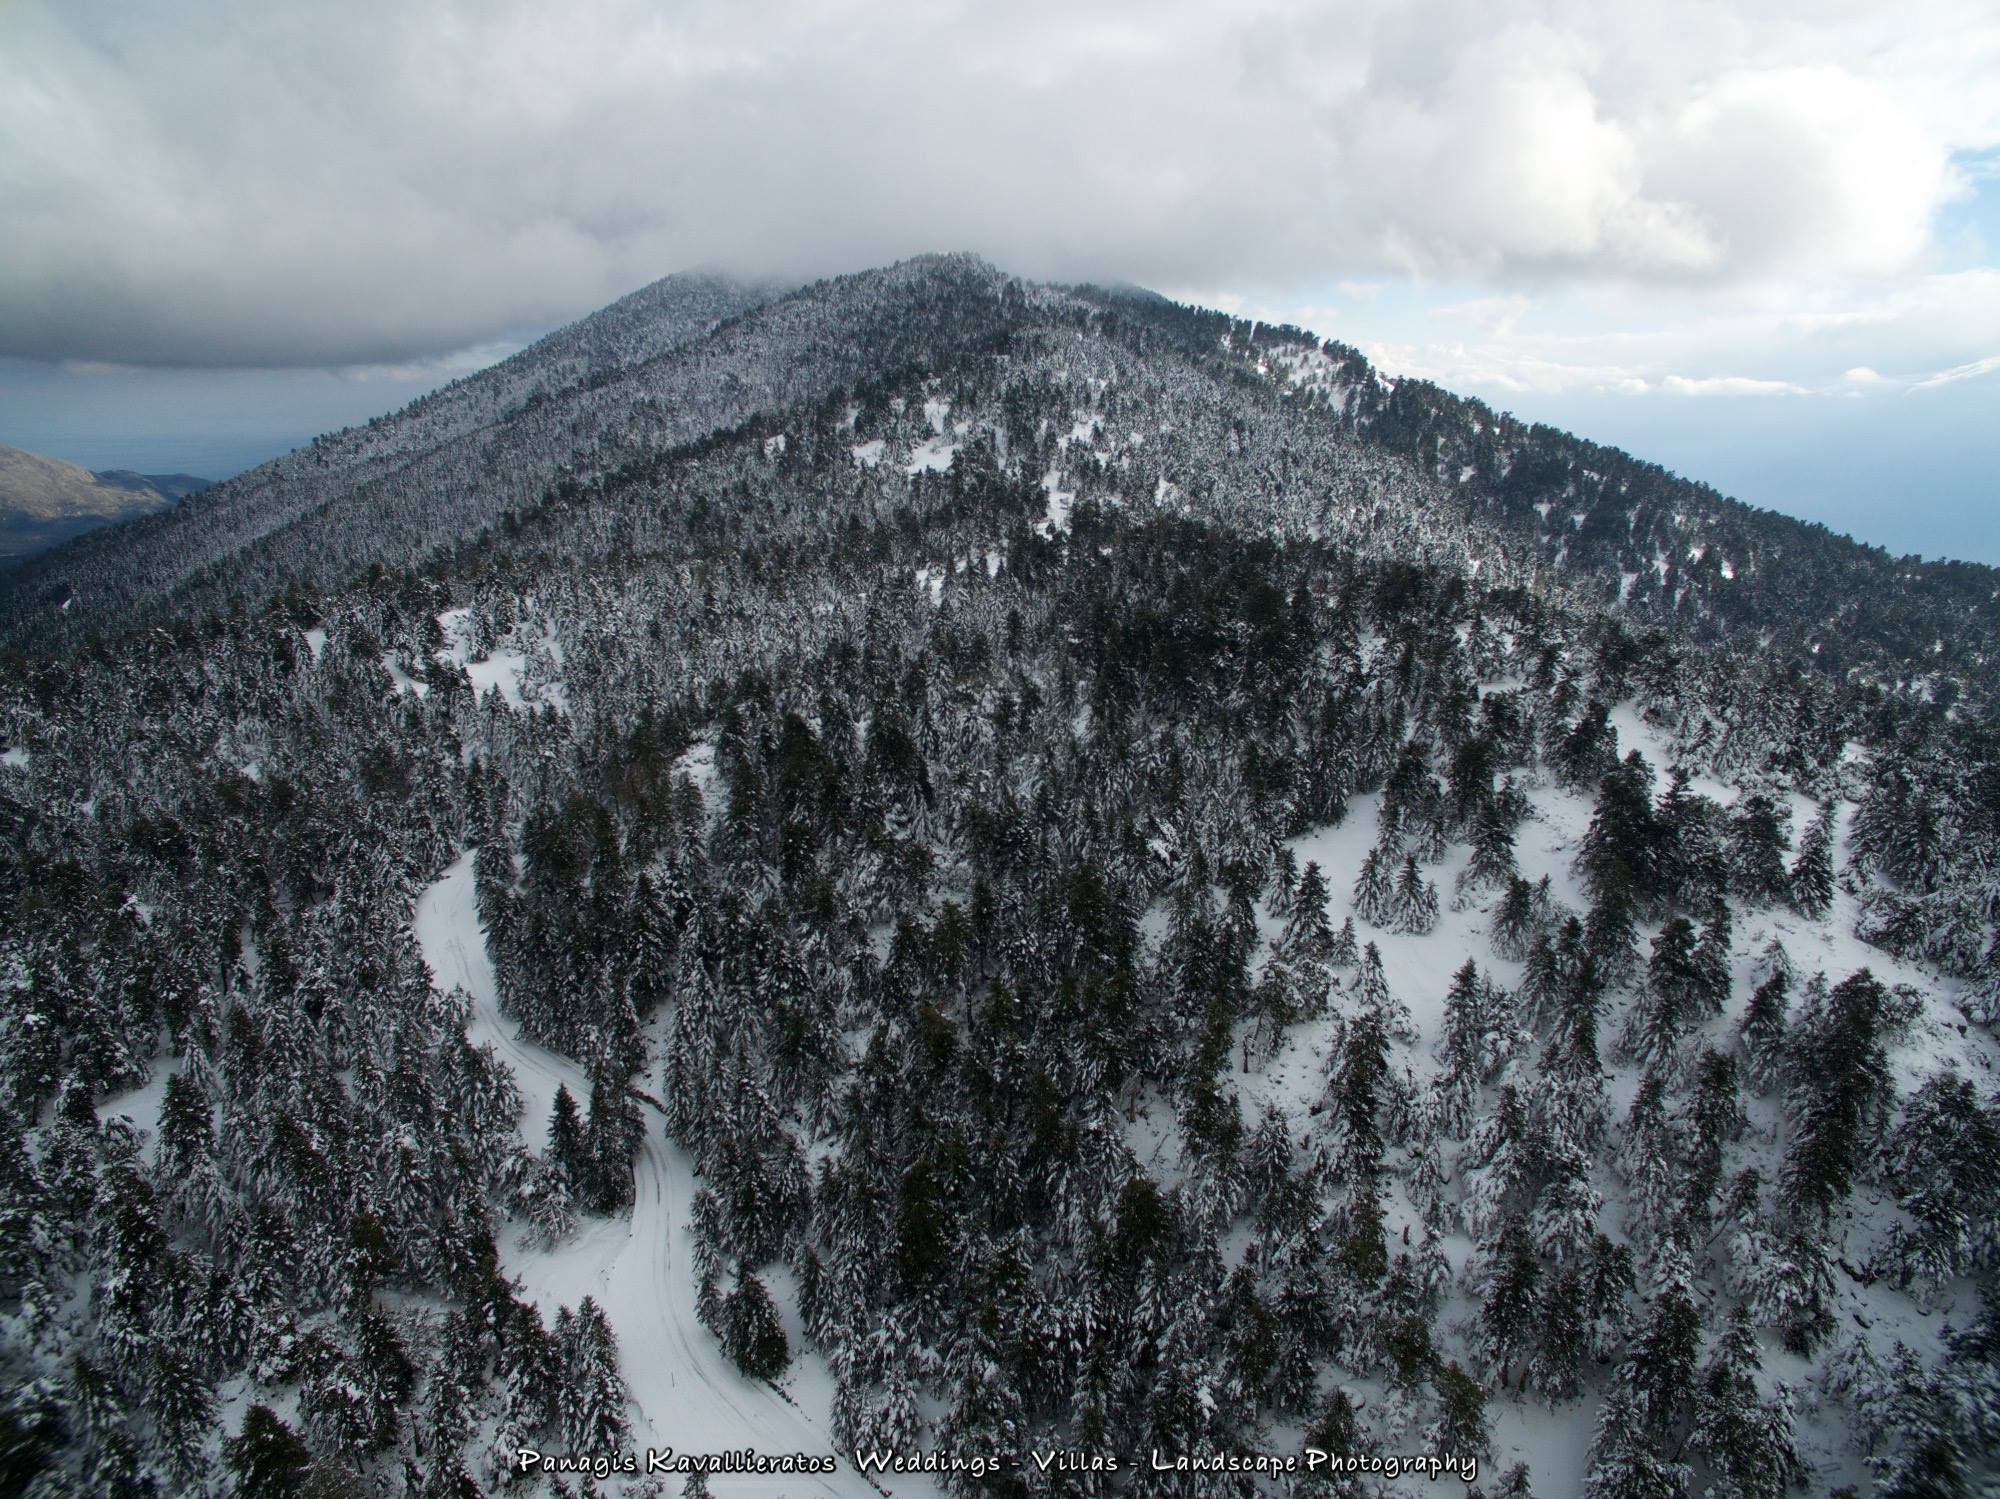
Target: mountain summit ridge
<point x="693" y="355"/>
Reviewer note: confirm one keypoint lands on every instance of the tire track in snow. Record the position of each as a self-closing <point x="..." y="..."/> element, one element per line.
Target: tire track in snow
<point x="632" y="1275"/>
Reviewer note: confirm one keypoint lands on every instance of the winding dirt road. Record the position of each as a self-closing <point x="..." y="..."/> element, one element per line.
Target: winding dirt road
<point x="686" y="1393"/>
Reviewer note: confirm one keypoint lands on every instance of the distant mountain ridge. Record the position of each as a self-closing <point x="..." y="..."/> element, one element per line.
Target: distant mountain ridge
<point x="173" y="486"/>
<point x="45" y="501"/>
<point x="1296" y="421"/>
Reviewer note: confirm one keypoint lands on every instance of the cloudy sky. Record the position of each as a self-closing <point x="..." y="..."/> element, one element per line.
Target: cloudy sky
<point x="1757" y="242"/>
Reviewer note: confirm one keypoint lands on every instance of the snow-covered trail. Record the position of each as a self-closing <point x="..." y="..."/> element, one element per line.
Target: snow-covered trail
<point x="688" y="1396"/>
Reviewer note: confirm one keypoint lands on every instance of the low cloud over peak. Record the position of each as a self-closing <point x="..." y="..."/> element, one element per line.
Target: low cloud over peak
<point x="237" y="184"/>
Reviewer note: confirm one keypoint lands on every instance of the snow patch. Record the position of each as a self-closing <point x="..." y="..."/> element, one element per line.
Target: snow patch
<point x="505" y="668"/>
<point x="141" y="1105"/>
<point x="1061" y="501"/>
<point x="1084" y="431"/>
<point x="934" y="455"/>
<point x="403" y="680"/>
<point x="697" y="763"/>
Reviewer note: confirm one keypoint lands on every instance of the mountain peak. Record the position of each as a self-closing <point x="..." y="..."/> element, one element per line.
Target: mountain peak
<point x="1234" y="418"/>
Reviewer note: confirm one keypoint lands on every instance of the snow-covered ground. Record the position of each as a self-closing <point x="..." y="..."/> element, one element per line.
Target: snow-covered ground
<point x="140" y="1107"/>
<point x="686" y="1394"/>
<point x="510" y="667"/>
<point x="932" y="455"/>
<point x="1555" y="1442"/>
<point x="1060" y="502"/>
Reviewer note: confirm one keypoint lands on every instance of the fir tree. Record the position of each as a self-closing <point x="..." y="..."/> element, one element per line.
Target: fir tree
<point x="1284" y="883"/>
<point x="1508" y="1321"/>
<point x="1413" y="908"/>
<point x="181" y="1402"/>
<point x="1811" y="878"/>
<point x="1354" y="1093"/>
<point x="266" y="1458"/>
<point x="1712" y="961"/>
<point x="1672" y="1000"/>
<point x="1563" y="1223"/>
<point x="1746" y="1440"/>
<point x="1943" y="1162"/>
<point x="1307" y="932"/>
<point x="1758" y="833"/>
<point x="1618" y="849"/>
<point x="1563" y="1341"/>
<point x="1460" y="1050"/>
<point x="1625" y="1458"/>
<point x="1491" y="866"/>
<point x="591" y="1398"/>
<point x="1785" y="1275"/>
<point x="1554" y="969"/>
<point x="1461" y="1427"/>
<point x="1374" y="888"/>
<point x="1514" y="926"/>
<point x="1335" y="1431"/>
<point x="1650" y="1161"/>
<point x="1370" y="990"/>
<point x="567" y="1150"/>
<point x="1839" y="1086"/>
<point x="1610" y="935"/>
<point x="1763" y="1032"/>
<point x="1344" y="953"/>
<point x="1714" y="1117"/>
<point x="610" y="1141"/>
<point x="1660" y="1373"/>
<point x="752" y="1335"/>
<point x="1588" y="750"/>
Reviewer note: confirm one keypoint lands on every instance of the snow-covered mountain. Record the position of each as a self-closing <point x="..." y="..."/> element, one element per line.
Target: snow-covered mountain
<point x="993" y="888"/>
<point x="1276" y="421"/>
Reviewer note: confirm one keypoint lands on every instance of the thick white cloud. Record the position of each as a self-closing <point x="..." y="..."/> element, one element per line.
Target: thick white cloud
<point x="236" y="182"/>
<point x="1730" y="385"/>
<point x="1834" y="338"/>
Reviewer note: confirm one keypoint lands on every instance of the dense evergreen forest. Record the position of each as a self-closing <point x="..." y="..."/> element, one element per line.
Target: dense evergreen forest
<point x="1172" y="895"/>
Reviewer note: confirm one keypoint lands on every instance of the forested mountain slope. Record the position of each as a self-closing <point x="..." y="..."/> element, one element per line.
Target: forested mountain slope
<point x="1054" y="893"/>
<point x="1274" y="419"/>
<point x="1628" y="534"/>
